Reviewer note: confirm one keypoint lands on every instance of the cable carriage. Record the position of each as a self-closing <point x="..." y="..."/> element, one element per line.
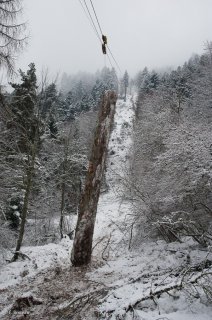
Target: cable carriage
<point x="103" y="38"/>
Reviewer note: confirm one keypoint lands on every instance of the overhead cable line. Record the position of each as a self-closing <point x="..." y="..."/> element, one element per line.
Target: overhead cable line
<point x="90" y="18"/>
<point x="110" y="61"/>
<point x="104" y="36"/>
<point x="114" y="59"/>
<point x="85" y="12"/>
<point x="96" y="17"/>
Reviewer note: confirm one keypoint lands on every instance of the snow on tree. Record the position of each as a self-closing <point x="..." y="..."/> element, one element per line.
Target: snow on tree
<point x="172" y="156"/>
<point x="24" y="124"/>
<point x="49" y="99"/>
<point x="125" y="82"/>
<point x="23" y="108"/>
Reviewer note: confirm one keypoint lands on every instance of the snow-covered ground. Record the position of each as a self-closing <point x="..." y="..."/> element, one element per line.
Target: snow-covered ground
<point x="137" y="277"/>
<point x="37" y="259"/>
<point x="158" y="281"/>
<point x="112" y="208"/>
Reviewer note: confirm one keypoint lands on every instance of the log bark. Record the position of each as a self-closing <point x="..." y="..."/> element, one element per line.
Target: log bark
<point x="82" y="247"/>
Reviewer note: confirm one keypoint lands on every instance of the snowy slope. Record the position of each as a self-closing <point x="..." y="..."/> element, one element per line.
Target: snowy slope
<point x="120" y="283"/>
<point x="112" y="209"/>
<point x="155" y="264"/>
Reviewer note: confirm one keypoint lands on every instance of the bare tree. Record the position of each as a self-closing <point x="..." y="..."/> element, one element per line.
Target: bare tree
<point x="11" y="39"/>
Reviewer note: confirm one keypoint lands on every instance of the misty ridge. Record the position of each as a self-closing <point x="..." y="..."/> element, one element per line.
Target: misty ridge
<point x="105" y="185"/>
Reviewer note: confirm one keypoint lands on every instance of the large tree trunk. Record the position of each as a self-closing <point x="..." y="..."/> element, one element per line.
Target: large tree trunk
<point x="82" y="248"/>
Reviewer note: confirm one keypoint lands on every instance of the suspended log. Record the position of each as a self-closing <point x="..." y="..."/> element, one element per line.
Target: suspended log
<point x="82" y="247"/>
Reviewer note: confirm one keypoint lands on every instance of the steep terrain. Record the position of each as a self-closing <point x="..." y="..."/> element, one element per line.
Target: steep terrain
<point x="156" y="281"/>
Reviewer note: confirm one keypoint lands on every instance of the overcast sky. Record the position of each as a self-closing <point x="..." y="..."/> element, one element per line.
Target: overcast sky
<point x="152" y="33"/>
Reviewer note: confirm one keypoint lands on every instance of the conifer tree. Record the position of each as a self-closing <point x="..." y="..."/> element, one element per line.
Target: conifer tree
<point x="23" y="109"/>
<point x="125" y="83"/>
<point x="26" y="124"/>
<point x="48" y="100"/>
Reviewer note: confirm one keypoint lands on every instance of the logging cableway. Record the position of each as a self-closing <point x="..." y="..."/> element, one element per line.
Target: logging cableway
<point x="83" y="240"/>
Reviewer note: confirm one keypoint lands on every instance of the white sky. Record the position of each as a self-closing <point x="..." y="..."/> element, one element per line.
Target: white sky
<point x="152" y="33"/>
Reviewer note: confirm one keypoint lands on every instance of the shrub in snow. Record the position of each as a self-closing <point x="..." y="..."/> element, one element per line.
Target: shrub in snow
<point x="171" y="166"/>
<point x="13" y="211"/>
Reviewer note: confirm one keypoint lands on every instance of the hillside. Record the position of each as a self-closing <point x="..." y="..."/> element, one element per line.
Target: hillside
<point x="158" y="280"/>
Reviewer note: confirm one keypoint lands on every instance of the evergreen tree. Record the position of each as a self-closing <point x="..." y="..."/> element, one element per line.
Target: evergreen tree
<point x="69" y="102"/>
<point x="139" y="80"/>
<point x="13" y="211"/>
<point x="87" y="103"/>
<point x="23" y="107"/>
<point x="49" y="100"/>
<point x="179" y="87"/>
<point x="149" y="81"/>
<point x="142" y="81"/>
<point x="25" y="120"/>
<point x="109" y="79"/>
<point x="114" y="80"/>
<point x="154" y="80"/>
<point x="61" y="107"/>
<point x="52" y="127"/>
<point x="97" y="92"/>
<point x="125" y="81"/>
<point x="78" y="91"/>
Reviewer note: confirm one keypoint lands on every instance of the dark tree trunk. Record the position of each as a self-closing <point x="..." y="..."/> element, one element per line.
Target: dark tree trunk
<point x="82" y="248"/>
<point x="62" y="205"/>
<point x="28" y="187"/>
<point x="63" y="187"/>
<point x="125" y="93"/>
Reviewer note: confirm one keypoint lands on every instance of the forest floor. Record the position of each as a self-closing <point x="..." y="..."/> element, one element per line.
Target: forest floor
<point x="156" y="281"/>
